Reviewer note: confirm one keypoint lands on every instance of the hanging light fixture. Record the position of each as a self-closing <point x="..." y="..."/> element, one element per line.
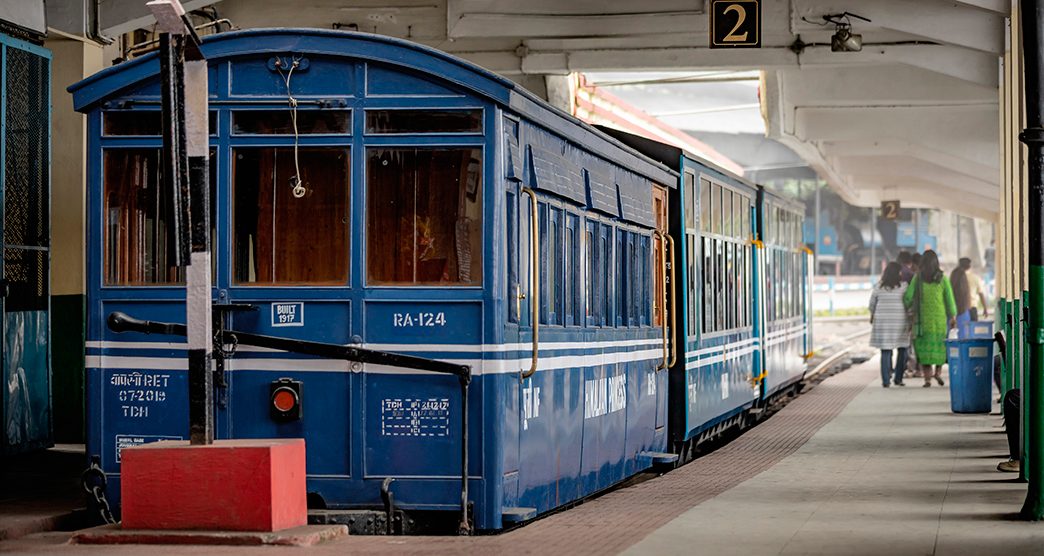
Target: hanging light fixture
<point x="843" y="39"/>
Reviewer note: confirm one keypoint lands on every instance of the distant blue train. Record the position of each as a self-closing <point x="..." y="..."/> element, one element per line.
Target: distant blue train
<point x="617" y="300"/>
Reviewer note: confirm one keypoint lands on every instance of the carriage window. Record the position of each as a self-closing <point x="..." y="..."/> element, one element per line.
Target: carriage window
<point x="138" y="219"/>
<point x="514" y="287"/>
<point x="705" y="205"/>
<point x="281" y="122"/>
<point x="590" y="309"/>
<point x="140" y="122"/>
<point x="423" y="121"/>
<point x="424" y="216"/>
<point x="282" y="239"/>
<point x="571" y="271"/>
<point x="624" y="279"/>
<point x="554" y="265"/>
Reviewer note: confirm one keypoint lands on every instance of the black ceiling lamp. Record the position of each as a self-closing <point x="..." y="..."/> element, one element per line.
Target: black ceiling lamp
<point x="844" y="40"/>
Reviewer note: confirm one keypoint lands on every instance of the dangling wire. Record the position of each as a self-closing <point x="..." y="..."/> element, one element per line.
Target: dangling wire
<point x="295" y="181"/>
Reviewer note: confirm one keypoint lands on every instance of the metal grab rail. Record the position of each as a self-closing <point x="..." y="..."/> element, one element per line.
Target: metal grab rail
<point x="534" y="281"/>
<point x="121" y="322"/>
<point x="674" y="304"/>
<point x="663" y="317"/>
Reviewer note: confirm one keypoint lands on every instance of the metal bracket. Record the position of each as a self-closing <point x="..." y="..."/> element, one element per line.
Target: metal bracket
<point x="1032" y="135"/>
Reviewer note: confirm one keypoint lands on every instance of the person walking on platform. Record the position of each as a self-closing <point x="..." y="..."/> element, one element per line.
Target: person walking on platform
<point x="977" y="291"/>
<point x="906" y="270"/>
<point x="891" y="327"/>
<point x="930" y="298"/>
<point x="962" y="296"/>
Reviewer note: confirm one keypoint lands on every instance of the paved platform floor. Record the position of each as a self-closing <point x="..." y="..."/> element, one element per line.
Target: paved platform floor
<point x="894" y="473"/>
<point x="847" y="468"/>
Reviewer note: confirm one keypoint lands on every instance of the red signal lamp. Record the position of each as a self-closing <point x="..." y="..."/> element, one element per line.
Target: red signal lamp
<point x="285" y="400"/>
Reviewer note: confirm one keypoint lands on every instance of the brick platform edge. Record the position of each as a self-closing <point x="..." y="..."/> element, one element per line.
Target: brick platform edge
<point x="307" y="535"/>
<point x="611" y="523"/>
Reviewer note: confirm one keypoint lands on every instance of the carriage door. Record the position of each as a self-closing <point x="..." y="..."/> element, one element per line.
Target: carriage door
<point x="24" y="283"/>
<point x="664" y="292"/>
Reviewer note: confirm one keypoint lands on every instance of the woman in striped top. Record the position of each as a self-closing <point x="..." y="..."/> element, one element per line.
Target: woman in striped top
<point x="891" y="326"/>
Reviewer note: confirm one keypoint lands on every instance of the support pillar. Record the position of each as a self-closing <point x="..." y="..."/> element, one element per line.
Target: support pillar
<point x="1032" y="19"/>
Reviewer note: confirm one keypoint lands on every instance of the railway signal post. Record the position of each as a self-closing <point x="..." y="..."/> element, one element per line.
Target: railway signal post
<point x="186" y="162"/>
<point x="231" y="485"/>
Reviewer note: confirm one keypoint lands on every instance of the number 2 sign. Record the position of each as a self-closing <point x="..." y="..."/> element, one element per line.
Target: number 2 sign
<point x="735" y="24"/>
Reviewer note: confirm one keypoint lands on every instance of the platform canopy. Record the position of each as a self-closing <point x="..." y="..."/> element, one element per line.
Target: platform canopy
<point x="912" y="116"/>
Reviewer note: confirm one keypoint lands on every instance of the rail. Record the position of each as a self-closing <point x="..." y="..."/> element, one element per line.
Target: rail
<point x="834" y="357"/>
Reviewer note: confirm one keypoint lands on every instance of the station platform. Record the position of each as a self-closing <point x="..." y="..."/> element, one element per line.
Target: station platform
<point x="846" y="468"/>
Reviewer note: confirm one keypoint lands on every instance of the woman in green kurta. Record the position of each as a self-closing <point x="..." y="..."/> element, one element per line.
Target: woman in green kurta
<point x="930" y="298"/>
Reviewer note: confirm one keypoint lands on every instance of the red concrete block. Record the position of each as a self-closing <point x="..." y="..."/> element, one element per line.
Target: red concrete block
<point x="231" y="485"/>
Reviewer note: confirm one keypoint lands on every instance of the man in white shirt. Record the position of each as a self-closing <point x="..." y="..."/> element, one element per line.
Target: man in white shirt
<point x="976" y="289"/>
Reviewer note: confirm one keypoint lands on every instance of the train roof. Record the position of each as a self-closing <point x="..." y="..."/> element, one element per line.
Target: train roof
<point x="668" y="154"/>
<point x="117" y="80"/>
<point x="785" y="202"/>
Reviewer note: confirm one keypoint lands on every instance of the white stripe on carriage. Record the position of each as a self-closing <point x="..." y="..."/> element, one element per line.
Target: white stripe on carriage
<point x="489" y="366"/>
<point x="784" y="331"/>
<point x="715" y="349"/>
<point x="445" y="348"/>
<point x="721" y="358"/>
<point x="793" y="336"/>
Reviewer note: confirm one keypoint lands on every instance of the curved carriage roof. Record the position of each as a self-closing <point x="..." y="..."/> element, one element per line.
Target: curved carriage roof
<point x="111" y="82"/>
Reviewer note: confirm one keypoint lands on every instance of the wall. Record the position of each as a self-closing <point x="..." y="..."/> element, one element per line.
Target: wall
<point x="73" y="60"/>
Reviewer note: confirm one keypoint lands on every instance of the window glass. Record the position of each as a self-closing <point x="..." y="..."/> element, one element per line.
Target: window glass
<point x="141" y="122"/>
<point x="690" y="260"/>
<point x="729" y="292"/>
<point x="590" y="307"/>
<point x="636" y="251"/>
<point x="741" y="268"/>
<point x="279" y="238"/>
<point x="745" y="220"/>
<point x="726" y="214"/>
<point x="705" y="205"/>
<point x="605" y="269"/>
<point x="570" y="271"/>
<point x="280" y="122"/>
<point x="424" y="216"/>
<point x="690" y="200"/>
<point x="546" y="287"/>
<point x="423" y="121"/>
<point x="716" y="209"/>
<point x="554" y="265"/>
<point x="719" y="286"/>
<point x="738" y="202"/>
<point x="623" y="278"/>
<point x="708" y="285"/>
<point x="139" y="218"/>
<point x="512" y="257"/>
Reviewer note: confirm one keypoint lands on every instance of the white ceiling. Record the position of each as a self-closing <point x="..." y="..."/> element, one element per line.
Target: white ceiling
<point x="914" y="116"/>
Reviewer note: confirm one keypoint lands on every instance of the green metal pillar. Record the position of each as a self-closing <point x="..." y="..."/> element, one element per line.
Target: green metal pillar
<point x="1032" y="17"/>
<point x="1001" y="317"/>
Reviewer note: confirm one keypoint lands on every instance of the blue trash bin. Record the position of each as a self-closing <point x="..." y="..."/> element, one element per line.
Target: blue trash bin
<point x="971" y="374"/>
<point x="977" y="329"/>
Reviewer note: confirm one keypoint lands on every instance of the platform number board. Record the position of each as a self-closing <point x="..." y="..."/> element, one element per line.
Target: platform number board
<point x="735" y="24"/>
<point x="890" y="210"/>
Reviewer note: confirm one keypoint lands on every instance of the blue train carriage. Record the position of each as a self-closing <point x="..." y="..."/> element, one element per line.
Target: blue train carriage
<point x="445" y="213"/>
<point x="713" y="216"/>
<point x="784" y="269"/>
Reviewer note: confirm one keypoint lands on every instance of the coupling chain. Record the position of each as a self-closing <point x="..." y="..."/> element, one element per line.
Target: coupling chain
<point x="94" y="482"/>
